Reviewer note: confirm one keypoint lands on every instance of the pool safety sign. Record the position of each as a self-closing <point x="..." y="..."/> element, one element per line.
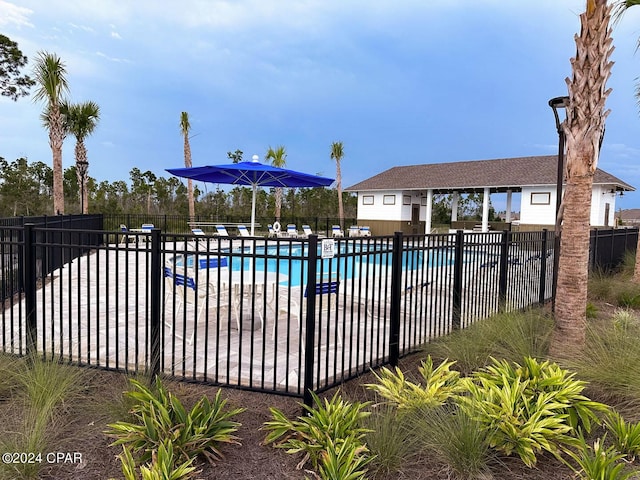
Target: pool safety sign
<point x="328" y="248"/>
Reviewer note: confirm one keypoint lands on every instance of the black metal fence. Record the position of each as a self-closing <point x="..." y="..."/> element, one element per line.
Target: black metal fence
<point x="284" y="315"/>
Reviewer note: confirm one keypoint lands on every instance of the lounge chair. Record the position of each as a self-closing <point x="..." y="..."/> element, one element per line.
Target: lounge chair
<point x="242" y="230"/>
<point x="221" y="231"/>
<point x="354" y="231"/>
<point x="202" y="241"/>
<point x="336" y="231"/>
<point x="147" y="227"/>
<point x="365" y="231"/>
<point x="272" y="232"/>
<point x="292" y="231"/>
<point x="306" y="229"/>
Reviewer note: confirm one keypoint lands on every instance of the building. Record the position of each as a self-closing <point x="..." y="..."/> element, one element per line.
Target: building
<point x="401" y="198"/>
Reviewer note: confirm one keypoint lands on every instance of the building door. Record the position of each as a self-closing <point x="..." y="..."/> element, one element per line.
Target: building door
<point x="415" y="218"/>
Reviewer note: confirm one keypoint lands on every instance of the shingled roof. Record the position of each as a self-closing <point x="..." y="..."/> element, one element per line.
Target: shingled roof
<point x="499" y="175"/>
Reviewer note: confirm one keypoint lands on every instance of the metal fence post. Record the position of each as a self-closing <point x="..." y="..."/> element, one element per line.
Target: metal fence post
<point x="502" y="285"/>
<point x="310" y="322"/>
<point x="543" y="266"/>
<point x="155" y="332"/>
<point x="29" y="283"/>
<point x="396" y="290"/>
<point x="457" y="280"/>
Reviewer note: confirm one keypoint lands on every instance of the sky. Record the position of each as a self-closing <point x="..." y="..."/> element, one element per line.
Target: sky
<point x="399" y="82"/>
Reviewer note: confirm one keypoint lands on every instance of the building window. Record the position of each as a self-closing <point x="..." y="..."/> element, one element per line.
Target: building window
<point x="389" y="200"/>
<point x="406" y="199"/>
<point x="540" y="198"/>
<point x="367" y="199"/>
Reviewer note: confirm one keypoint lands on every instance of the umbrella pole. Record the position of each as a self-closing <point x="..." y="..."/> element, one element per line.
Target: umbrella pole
<point x="253" y="209"/>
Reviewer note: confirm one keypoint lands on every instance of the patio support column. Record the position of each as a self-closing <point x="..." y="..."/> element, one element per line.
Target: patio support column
<point x="429" y="213"/>
<point x="485" y="210"/>
<point x="507" y="217"/>
<point x="455" y="198"/>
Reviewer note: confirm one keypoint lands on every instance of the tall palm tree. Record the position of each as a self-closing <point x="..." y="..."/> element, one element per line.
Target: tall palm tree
<point x="278" y="159"/>
<point x="337" y="152"/>
<point x="584" y="128"/>
<point x="50" y="76"/>
<point x="81" y="120"/>
<point x="185" y="128"/>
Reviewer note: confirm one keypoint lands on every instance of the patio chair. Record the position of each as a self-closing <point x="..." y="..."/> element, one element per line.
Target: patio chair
<point x="365" y="231"/>
<point x="221" y="231"/>
<point x="327" y="305"/>
<point x="190" y="286"/>
<point x="306" y="229"/>
<point x="292" y="231"/>
<point x="125" y="238"/>
<point x="336" y="231"/>
<point x="272" y="233"/>
<point x="242" y="230"/>
<point x="354" y="231"/>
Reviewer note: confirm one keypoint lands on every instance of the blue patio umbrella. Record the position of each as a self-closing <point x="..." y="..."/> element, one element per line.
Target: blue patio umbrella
<point x="251" y="173"/>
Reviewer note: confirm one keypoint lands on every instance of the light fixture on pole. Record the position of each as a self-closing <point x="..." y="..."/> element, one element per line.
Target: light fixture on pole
<point x="82" y="166"/>
<point x="555" y="104"/>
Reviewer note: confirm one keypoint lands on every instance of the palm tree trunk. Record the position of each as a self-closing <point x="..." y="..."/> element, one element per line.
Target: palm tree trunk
<point x="188" y="163"/>
<point x="584" y="128"/>
<point x="56" y="138"/>
<point x="339" y="187"/>
<point x="278" y="203"/>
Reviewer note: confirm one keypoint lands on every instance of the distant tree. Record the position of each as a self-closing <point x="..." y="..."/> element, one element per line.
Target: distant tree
<point x="81" y="120"/>
<point x="337" y="152"/>
<point x="50" y="75"/>
<point x="185" y="128"/>
<point x="12" y="84"/>
<point x="143" y="184"/>
<point x="235" y="157"/>
<point x="278" y="158"/>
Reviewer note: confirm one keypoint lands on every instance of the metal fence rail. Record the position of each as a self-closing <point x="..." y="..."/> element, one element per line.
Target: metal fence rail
<point x="269" y="315"/>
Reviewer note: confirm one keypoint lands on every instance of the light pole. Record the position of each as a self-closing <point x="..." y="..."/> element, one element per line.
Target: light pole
<point x="556" y="103"/>
<point x="82" y="166"/>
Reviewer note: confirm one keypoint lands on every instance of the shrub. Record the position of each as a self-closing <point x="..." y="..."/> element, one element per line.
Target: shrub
<point x="440" y="384"/>
<point x="591" y="310"/>
<point x="528" y="408"/>
<point x="628" y="295"/>
<point x="331" y="432"/>
<point x="159" y="415"/>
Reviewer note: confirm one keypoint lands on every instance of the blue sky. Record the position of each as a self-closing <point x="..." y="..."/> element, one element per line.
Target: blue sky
<point x="399" y="82"/>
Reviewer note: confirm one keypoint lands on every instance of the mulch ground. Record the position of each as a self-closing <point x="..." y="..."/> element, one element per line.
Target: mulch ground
<point x="80" y="429"/>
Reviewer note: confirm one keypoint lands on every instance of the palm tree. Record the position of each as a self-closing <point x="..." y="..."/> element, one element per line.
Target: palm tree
<point x="584" y="128"/>
<point x="81" y="120"/>
<point x="185" y="128"/>
<point x="50" y="76"/>
<point x="337" y="152"/>
<point x="278" y="159"/>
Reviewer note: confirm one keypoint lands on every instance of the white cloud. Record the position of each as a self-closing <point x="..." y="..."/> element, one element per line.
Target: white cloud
<point x="14" y="15"/>
<point x="113" y="59"/>
<point x="116" y="35"/>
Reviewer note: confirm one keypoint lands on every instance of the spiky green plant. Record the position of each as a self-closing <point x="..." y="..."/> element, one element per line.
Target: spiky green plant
<point x="440" y="384"/>
<point x="529" y="408"/>
<point x="332" y="420"/>
<point x="597" y="462"/>
<point x="162" y="466"/>
<point x="343" y="459"/>
<point x="160" y="415"/>
<point x="626" y="435"/>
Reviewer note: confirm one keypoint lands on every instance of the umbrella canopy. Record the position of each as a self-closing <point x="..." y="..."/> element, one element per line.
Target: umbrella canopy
<point x="252" y="173"/>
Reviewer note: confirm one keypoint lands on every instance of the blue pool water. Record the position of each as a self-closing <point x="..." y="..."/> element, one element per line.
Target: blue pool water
<point x="289" y="260"/>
